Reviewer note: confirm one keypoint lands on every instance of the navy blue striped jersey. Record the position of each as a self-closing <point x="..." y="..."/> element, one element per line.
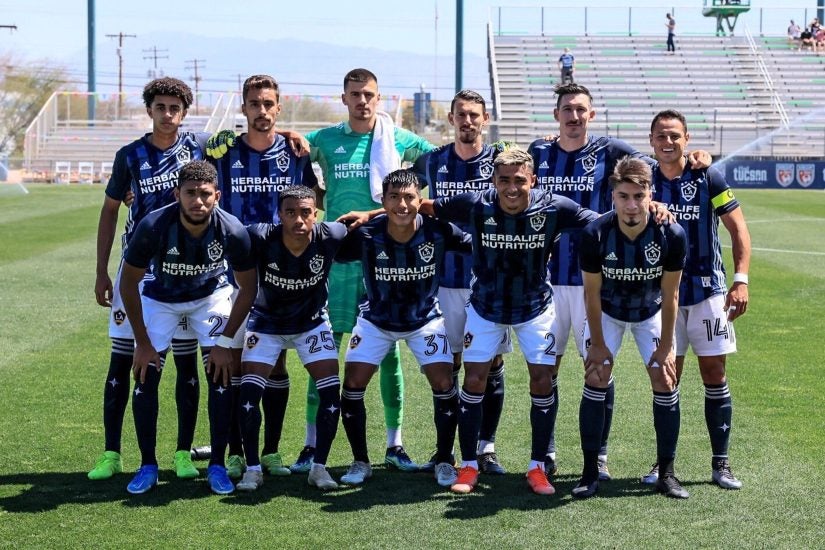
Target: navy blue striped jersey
<point x="292" y="290"/>
<point x="698" y="198"/>
<point x="402" y="278"/>
<point x="251" y="181"/>
<point x="185" y="268"/>
<point x="447" y="174"/>
<point x="631" y="270"/>
<point x="581" y="175"/>
<point x="151" y="174"/>
<point x="510" y="252"/>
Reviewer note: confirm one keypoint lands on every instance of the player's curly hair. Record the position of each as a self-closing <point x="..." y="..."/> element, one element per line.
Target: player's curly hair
<point x="514" y="156"/>
<point x="198" y="170"/>
<point x="261" y="82"/>
<point x="571" y="89"/>
<point x="297" y="192"/>
<point x="399" y="179"/>
<point x="469" y="95"/>
<point x="167" y="86"/>
<point x="631" y="170"/>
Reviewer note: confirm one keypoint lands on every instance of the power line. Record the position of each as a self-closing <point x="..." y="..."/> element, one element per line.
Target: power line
<point x="154" y="57"/>
<point x="120" y="36"/>
<point x="11" y="28"/>
<point x="197" y="78"/>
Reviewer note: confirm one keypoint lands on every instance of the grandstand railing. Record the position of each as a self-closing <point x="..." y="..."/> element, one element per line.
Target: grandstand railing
<point x="776" y="99"/>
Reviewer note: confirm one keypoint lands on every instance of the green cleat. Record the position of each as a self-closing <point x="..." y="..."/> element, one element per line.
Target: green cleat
<point x="184" y="467"/>
<point x="106" y="466"/>
<point x="235" y="466"/>
<point x="274" y="466"/>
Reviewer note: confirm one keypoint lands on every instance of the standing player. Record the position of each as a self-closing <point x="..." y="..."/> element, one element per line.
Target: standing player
<point x="251" y="175"/>
<point x="699" y="199"/>
<point x="459" y="167"/>
<point x="513" y="229"/>
<point x="187" y="246"/>
<point x="577" y="165"/>
<point x="293" y="259"/>
<point x="355" y="156"/>
<point x="631" y="267"/>
<point x="148" y="169"/>
<point x="400" y="254"/>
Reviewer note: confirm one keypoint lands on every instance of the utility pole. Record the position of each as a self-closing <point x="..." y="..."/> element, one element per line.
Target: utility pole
<point x="153" y="51"/>
<point x="196" y="64"/>
<point x="11" y="28"/>
<point x="120" y="36"/>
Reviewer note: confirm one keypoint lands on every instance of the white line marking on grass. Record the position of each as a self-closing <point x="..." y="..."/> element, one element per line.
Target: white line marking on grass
<point x="782" y="251"/>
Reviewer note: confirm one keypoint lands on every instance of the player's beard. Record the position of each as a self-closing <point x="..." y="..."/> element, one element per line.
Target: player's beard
<point x="468" y="136"/>
<point x="262" y="124"/>
<point x="192" y="221"/>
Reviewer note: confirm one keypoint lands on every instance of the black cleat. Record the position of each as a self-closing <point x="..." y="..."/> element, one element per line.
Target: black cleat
<point x="670" y="486"/>
<point x="488" y="464"/>
<point x="585" y="489"/>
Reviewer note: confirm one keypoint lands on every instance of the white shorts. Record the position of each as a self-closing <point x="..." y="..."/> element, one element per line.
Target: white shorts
<point x="454" y="303"/>
<point x="570" y="315"/>
<point x="313" y="345"/>
<point x="705" y="327"/>
<point x="370" y="344"/>
<point x="482" y="338"/>
<point x="119" y="325"/>
<point x="207" y="317"/>
<point x="646" y="333"/>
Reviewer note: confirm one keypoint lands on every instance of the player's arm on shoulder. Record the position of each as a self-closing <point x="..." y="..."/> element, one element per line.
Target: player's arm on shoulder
<point x="351" y="247"/>
<point x="297" y="142"/>
<point x="106" y="228"/>
<point x="357" y="218"/>
<point x="413" y="145"/>
<point x="736" y="302"/>
<point x="457" y="239"/>
<point x="661" y="213"/>
<point x="699" y="159"/>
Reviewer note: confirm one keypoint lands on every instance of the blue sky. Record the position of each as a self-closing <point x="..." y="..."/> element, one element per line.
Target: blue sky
<point x="55" y="30"/>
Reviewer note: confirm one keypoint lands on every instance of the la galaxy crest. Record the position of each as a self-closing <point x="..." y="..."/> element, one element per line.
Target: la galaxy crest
<point x="589" y="163"/>
<point x="688" y="190"/>
<point x="215" y="251"/>
<point x="468" y="339"/>
<point x="426" y="251"/>
<point x="316" y="264"/>
<point x="537" y="221"/>
<point x="184" y="155"/>
<point x="252" y="341"/>
<point x="282" y="161"/>
<point x="485" y="168"/>
<point x="119" y="316"/>
<point x="653" y="253"/>
<point x="354" y="341"/>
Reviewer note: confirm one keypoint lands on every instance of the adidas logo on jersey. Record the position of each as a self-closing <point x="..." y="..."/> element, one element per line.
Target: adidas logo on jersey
<point x="340" y="150"/>
<point x="173" y="251"/>
<point x="238" y="164"/>
<point x="611" y="257"/>
<point x="145" y="165"/>
<point x="382" y="256"/>
<point x="443" y="169"/>
<point x="544" y="164"/>
<point x="274" y="266"/>
<point x="490" y="221"/>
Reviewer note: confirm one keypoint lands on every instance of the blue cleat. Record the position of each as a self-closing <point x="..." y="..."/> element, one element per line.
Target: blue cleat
<point x="219" y="480"/>
<point x="397" y="457"/>
<point x="145" y="478"/>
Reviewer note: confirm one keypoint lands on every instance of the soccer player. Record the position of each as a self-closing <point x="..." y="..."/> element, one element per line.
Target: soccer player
<point x="631" y="268"/>
<point x="700" y="199"/>
<point x="577" y="165"/>
<point x="187" y="246"/>
<point x="459" y="167"/>
<point x="293" y="261"/>
<point x="513" y="228"/>
<point x="400" y="253"/>
<point x="355" y="156"/>
<point x="251" y="175"/>
<point x="148" y="169"/>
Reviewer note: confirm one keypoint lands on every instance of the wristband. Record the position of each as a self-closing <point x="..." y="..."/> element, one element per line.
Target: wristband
<point x="224" y="341"/>
<point x="740" y="278"/>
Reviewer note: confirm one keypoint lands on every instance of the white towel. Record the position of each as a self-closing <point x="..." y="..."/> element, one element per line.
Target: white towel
<point x="383" y="155"/>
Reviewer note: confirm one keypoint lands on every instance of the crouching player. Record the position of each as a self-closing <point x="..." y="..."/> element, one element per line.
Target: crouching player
<point x="401" y="253"/>
<point x="293" y="260"/>
<point x="631" y="268"/>
<point x="186" y="245"/>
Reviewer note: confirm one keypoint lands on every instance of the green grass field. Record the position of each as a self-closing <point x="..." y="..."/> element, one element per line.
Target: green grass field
<point x="54" y="352"/>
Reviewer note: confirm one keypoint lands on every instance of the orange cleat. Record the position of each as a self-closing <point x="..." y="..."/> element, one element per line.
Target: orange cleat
<point x="538" y="482"/>
<point x="466" y="481"/>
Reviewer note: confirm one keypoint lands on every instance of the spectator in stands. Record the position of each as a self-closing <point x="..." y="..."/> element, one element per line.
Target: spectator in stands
<point x="815" y="26"/>
<point x="671" y="33"/>
<point x="794" y="32"/>
<point x="567" y="65"/>
<point x="806" y="40"/>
